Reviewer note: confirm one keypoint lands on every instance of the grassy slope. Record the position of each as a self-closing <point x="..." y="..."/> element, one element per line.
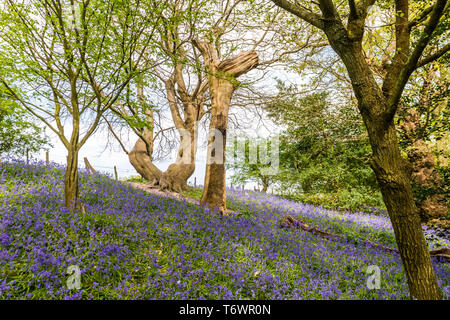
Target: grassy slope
<point x="131" y="245"/>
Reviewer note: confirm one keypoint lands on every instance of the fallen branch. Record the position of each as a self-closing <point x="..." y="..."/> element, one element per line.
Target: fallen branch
<point x="441" y="252"/>
<point x="289" y="221"/>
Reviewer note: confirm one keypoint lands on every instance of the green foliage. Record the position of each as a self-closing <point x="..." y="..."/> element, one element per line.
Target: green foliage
<point x="423" y="130"/>
<point x="136" y="179"/>
<point x="192" y="192"/>
<point x="351" y="199"/>
<point x="323" y="153"/>
<point x="17" y="132"/>
<point x="255" y="167"/>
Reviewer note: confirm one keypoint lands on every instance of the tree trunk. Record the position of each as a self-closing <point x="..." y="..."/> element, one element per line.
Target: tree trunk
<point x="265" y="185"/>
<point x="177" y="174"/>
<point x="71" y="179"/>
<point x="142" y="160"/>
<point x="214" y="189"/>
<point x="392" y="171"/>
<point x="377" y="107"/>
<point x="222" y="82"/>
<point x="393" y="175"/>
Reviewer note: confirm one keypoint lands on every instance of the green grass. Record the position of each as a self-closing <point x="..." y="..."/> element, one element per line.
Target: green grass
<point x="135" y="179"/>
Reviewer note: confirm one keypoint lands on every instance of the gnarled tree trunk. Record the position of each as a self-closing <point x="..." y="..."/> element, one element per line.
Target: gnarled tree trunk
<point x="222" y="82"/>
<point x="176" y="176"/>
<point x="142" y="160"/>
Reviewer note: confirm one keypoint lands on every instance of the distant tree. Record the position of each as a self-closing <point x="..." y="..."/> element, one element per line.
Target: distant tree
<point x="323" y="151"/>
<point x="18" y="133"/>
<point x="251" y="168"/>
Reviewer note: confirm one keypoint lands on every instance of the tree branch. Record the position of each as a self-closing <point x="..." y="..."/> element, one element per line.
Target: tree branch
<point x="434" y="56"/>
<point x="328" y="10"/>
<point x="420" y="18"/>
<point x="411" y="65"/>
<point x="310" y="17"/>
<point x="115" y="135"/>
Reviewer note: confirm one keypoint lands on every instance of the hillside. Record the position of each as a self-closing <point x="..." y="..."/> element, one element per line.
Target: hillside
<point x="130" y="244"/>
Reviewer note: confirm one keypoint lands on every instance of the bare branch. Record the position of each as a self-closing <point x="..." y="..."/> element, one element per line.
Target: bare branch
<point x="110" y="128"/>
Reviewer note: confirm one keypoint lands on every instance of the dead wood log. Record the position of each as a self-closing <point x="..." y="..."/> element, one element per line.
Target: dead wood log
<point x="290" y="222"/>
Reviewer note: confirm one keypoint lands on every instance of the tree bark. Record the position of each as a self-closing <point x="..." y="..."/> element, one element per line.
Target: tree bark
<point x="265" y="185"/>
<point x="141" y="159"/>
<point x="215" y="177"/>
<point x="393" y="174"/>
<point x="71" y="190"/>
<point x="176" y="176"/>
<point x="222" y="82"/>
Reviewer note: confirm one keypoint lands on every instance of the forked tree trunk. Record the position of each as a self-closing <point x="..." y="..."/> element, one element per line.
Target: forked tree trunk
<point x="142" y="160"/>
<point x="222" y="82"/>
<point x="177" y="174"/>
<point x="71" y="190"/>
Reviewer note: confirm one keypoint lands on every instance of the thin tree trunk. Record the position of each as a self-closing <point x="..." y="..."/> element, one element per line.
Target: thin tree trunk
<point x="71" y="191"/>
